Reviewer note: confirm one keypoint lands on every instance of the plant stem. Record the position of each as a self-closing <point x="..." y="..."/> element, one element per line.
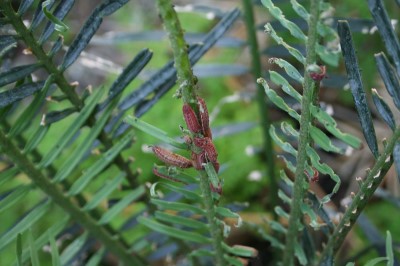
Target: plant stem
<point x="58" y="196"/>
<point x="187" y="83"/>
<point x="262" y="102"/>
<point x="304" y="140"/>
<point x="186" y="79"/>
<point x="367" y="189"/>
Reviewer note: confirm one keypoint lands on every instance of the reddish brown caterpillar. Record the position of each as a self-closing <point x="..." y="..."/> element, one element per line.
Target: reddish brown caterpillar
<point x="208" y="147"/>
<point x="171" y="158"/>
<point x="319" y="76"/>
<point x="315" y="177"/>
<point x="204" y="118"/>
<point x="191" y="119"/>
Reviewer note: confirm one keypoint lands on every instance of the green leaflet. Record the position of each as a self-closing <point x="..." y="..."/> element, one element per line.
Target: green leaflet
<point x="277" y="227"/>
<point x="173" y="232"/>
<point x="97" y="167"/>
<point x="36" y="138"/>
<point x="284" y="145"/>
<point x="277" y="100"/>
<point x="324" y="169"/>
<point x="154" y="131"/>
<point x="389" y="249"/>
<point x="299" y="253"/>
<point x="176" y="174"/>
<point x="284" y="197"/>
<point x="19" y="193"/>
<point x="286" y="87"/>
<point x="96" y="258"/>
<point x="181" y="190"/>
<point x="177" y="206"/>
<point x="306" y="209"/>
<point x="75" y="158"/>
<point x="27" y="116"/>
<point x="73" y="129"/>
<point x="293" y="51"/>
<point x="24" y="224"/>
<point x="175" y="219"/>
<point x="73" y="248"/>
<point x="32" y="249"/>
<point x="212" y="175"/>
<point x="43" y="239"/>
<point x="278" y="14"/>
<point x="323" y="141"/>
<point x="330" y="124"/>
<point x="278" y="210"/>
<point x="105" y="191"/>
<point x="238" y="251"/>
<point x="226" y="213"/>
<point x="55" y="256"/>
<point x="121" y="205"/>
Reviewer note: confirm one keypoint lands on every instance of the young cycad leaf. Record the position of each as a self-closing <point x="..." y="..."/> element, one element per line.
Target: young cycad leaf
<point x="128" y="74"/>
<point x="356" y="86"/>
<point x="153" y="131"/>
<point x="383" y="109"/>
<point x="16" y="94"/>
<point x="17" y="73"/>
<point x="73" y="129"/>
<point x="103" y="193"/>
<point x="121" y="205"/>
<point x="89" y="29"/>
<point x="39" y="15"/>
<point x="173" y="232"/>
<point x="98" y="166"/>
<point x="55" y="18"/>
<point x="389" y="77"/>
<point x="385" y="28"/>
<point x="73" y="248"/>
